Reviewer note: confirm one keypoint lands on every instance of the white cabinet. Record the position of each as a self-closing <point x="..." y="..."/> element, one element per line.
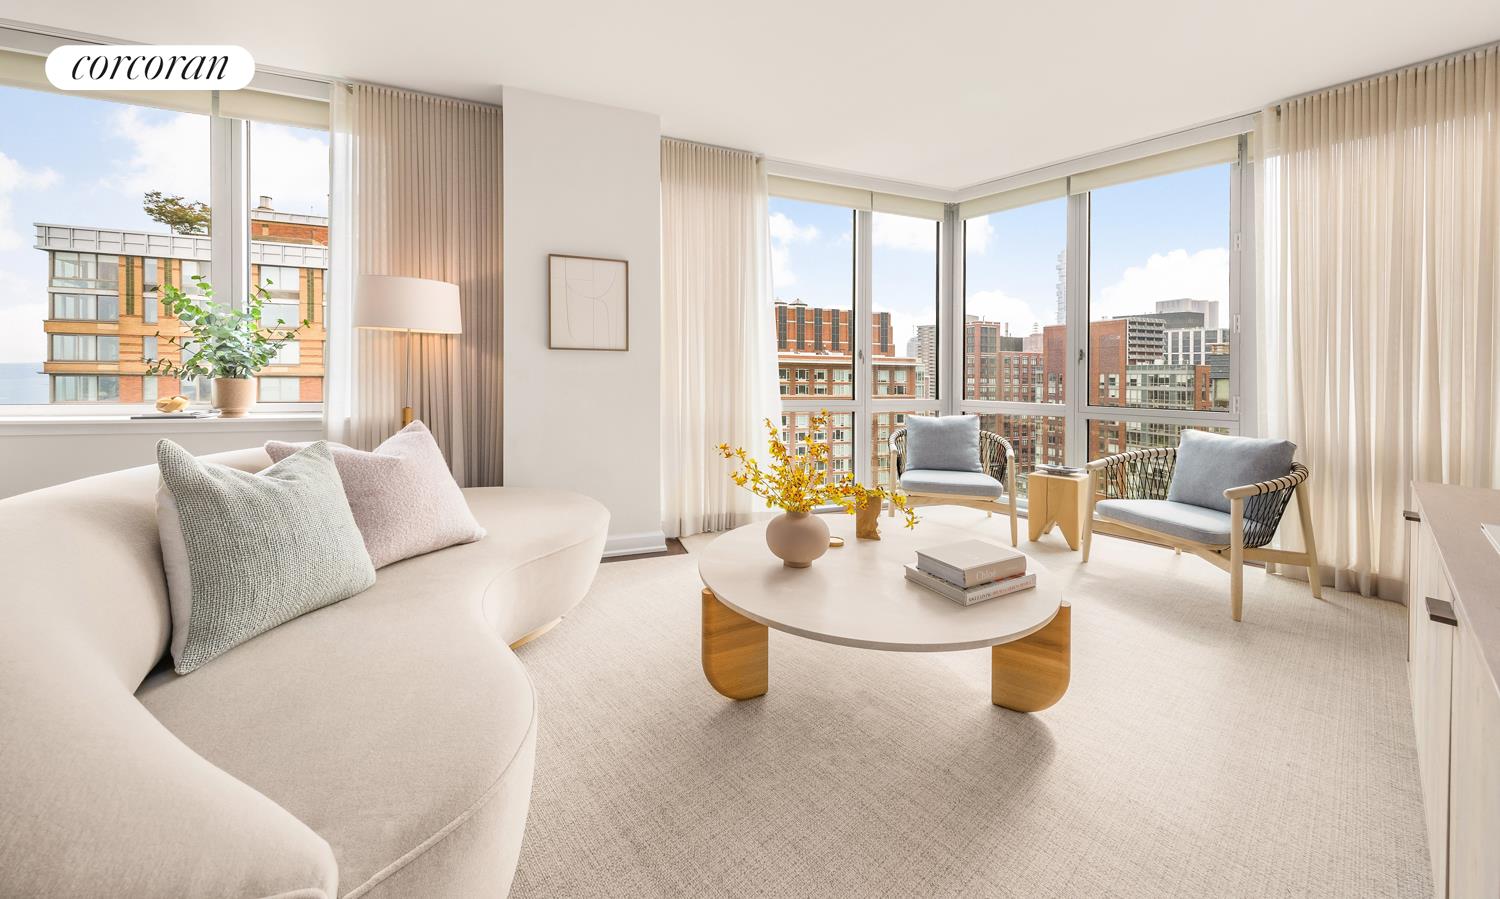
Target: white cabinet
<point x="1474" y="775"/>
<point x="1431" y="669"/>
<point x="1453" y="606"/>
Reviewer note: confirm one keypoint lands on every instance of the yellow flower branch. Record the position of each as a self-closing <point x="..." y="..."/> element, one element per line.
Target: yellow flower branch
<point x="794" y="483"/>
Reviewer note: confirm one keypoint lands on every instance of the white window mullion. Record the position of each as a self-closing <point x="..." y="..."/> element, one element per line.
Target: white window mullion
<point x="1077" y="312"/>
<point x="229" y="196"/>
<point x="864" y="367"/>
<point x="1243" y="341"/>
<point x="949" y="360"/>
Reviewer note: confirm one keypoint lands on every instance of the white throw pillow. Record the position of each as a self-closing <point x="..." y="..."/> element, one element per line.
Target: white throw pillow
<point x="403" y="496"/>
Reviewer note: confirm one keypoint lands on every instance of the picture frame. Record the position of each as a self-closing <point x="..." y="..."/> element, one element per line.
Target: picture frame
<point x="588" y="303"/>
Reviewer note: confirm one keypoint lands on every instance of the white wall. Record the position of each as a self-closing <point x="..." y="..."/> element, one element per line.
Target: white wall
<point x="39" y="454"/>
<point x="585" y="180"/>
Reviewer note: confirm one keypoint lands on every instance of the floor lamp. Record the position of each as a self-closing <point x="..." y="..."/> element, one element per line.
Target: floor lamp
<point x="411" y="305"/>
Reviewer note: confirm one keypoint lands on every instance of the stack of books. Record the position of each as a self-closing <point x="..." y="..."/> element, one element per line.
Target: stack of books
<point x="971" y="571"/>
<point x="1067" y="470"/>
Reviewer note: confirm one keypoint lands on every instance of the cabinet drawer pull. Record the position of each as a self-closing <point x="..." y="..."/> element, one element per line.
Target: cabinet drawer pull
<point x="1409" y="515"/>
<point x="1441" y="611"/>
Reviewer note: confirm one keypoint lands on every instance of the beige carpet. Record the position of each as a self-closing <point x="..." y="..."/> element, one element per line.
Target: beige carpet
<point x="1192" y="756"/>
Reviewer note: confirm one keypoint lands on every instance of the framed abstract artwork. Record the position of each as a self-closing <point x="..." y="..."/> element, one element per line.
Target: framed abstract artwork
<point x="588" y="303"/>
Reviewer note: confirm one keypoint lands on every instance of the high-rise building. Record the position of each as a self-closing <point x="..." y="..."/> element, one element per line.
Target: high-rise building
<point x="1114" y="345"/>
<point x="815" y="359"/>
<point x="105" y="314"/>
<point x="1055" y="356"/>
<point x="1192" y="346"/>
<point x="925" y="352"/>
<point x="1208" y="309"/>
<point x="1062" y="287"/>
<point x="984" y="342"/>
<point x="801" y="328"/>
<point x="1184" y="387"/>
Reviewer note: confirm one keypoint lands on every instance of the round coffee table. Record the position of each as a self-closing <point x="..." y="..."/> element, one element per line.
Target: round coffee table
<point x="858" y="595"/>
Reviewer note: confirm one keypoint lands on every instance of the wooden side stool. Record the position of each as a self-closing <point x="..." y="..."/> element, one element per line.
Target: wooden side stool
<point x="1056" y="499"/>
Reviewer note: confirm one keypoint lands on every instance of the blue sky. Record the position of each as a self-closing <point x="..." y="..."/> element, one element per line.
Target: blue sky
<point x="1161" y="238"/>
<point x="67" y="159"/>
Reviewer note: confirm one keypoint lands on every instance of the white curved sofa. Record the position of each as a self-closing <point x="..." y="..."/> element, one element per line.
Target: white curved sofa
<point x="381" y="746"/>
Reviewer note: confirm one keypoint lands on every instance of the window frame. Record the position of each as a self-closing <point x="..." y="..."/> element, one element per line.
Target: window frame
<point x="229" y="170"/>
<point x="862" y="402"/>
<point x="1077" y="411"/>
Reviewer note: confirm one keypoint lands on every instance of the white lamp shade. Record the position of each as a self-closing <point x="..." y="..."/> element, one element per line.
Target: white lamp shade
<point x="395" y="303"/>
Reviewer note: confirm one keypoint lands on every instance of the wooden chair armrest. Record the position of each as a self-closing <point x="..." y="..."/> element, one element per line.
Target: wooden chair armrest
<point x="1286" y="482"/>
<point x="1122" y="458"/>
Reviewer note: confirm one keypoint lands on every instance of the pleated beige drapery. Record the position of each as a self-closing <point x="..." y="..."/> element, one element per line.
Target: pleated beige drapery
<point x="718" y="349"/>
<point x="1381" y="266"/>
<point x="417" y="192"/>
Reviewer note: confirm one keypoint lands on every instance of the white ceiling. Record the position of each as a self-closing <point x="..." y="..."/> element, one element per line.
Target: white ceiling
<point x="943" y="93"/>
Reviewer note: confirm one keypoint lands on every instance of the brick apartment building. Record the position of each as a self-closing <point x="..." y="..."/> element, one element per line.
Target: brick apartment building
<point x="815" y="359"/>
<point x="104" y="306"/>
<point x="1127" y="367"/>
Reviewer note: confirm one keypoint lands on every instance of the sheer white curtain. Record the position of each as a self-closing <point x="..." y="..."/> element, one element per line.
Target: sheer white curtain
<point x="1380" y="227"/>
<point x="718" y="349"/>
<point x="416" y="192"/>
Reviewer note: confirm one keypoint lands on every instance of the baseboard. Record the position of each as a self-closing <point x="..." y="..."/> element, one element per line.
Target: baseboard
<point x="635" y="544"/>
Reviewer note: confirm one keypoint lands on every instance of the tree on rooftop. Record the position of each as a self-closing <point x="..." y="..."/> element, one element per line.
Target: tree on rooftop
<point x="182" y="216"/>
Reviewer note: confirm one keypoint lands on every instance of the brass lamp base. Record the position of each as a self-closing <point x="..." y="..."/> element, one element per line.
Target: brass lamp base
<point x="406" y="416"/>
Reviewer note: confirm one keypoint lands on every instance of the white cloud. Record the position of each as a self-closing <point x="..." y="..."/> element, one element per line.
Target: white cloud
<point x="998" y="306"/>
<point x="1203" y="275"/>
<point x="14" y="177"/>
<point x="23" y="298"/>
<point x="902" y="232"/>
<point x="781" y="272"/>
<point x="784" y="230"/>
<point x="977" y="234"/>
<point x="23" y="308"/>
<point x="784" y="233"/>
<point x="291" y="167"/>
<point x="169" y="153"/>
<point x="166" y="153"/>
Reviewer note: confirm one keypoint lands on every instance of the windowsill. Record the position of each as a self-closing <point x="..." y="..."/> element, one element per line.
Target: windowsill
<point x="60" y="425"/>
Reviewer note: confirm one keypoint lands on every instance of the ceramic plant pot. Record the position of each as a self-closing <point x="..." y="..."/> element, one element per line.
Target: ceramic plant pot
<point x="233" y="397"/>
<point x="797" y="538"/>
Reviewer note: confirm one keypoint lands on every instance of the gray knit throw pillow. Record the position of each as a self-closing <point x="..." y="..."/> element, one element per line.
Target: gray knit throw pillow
<point x="259" y="549"/>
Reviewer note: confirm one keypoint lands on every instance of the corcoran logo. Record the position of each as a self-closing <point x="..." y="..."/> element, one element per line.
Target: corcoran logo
<point x="155" y="67"/>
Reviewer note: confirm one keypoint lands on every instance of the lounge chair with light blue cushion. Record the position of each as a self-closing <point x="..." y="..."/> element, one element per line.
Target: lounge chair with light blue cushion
<point x="1220" y="498"/>
<point x="949" y="461"/>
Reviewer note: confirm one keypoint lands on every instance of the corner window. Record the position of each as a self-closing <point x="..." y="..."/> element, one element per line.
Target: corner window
<point x="1159" y="251"/>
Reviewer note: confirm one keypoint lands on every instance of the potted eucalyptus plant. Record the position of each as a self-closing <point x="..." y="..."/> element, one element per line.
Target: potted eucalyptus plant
<point x="219" y="342"/>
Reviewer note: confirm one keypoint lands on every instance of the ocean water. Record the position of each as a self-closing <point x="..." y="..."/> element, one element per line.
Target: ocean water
<point x="22" y="384"/>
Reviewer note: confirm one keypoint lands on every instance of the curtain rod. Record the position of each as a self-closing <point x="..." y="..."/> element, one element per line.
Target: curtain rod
<point x="348" y="86"/>
<point x="1476" y="49"/>
<point x="699" y="143"/>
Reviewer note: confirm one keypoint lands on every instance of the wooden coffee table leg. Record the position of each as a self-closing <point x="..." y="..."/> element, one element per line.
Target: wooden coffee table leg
<point x="1026" y="675"/>
<point x="734" y="650"/>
